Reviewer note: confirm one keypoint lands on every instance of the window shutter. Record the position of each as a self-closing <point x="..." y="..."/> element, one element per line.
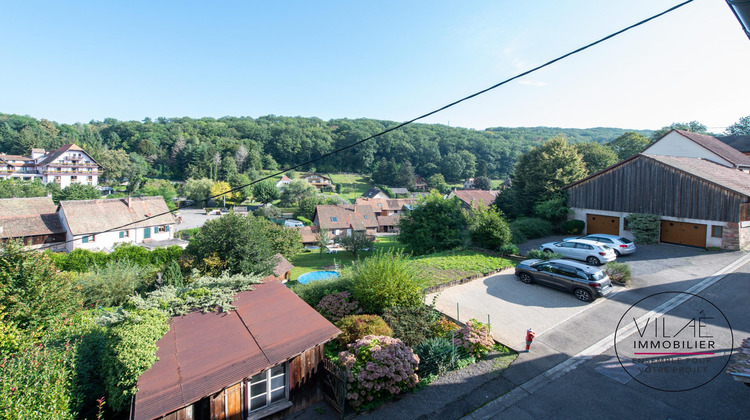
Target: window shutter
<point x="167" y="229"/>
<point x="122" y="234"/>
<point x="85" y="240"/>
<point x="156" y="229"/>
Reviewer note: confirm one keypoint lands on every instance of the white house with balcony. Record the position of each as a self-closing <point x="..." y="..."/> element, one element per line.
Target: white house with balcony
<point x="67" y="165"/>
<point x="101" y="224"/>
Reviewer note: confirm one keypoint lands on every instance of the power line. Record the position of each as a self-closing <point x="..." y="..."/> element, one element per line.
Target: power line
<point x="403" y="124"/>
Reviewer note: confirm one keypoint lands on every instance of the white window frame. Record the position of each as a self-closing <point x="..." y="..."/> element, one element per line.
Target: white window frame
<point x="269" y="407"/>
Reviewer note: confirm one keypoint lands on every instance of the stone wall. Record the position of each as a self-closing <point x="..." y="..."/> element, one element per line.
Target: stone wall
<point x="730" y="238"/>
<point x="744" y="238"/>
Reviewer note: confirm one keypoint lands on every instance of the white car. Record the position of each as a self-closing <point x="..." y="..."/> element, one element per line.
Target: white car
<point x="594" y="253"/>
<point x="621" y="245"/>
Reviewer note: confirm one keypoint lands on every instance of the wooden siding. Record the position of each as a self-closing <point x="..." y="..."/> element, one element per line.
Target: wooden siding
<point x="302" y="367"/>
<point x="645" y="186"/>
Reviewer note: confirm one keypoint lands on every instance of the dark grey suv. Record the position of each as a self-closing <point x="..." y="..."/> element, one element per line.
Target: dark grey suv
<point x="586" y="282"/>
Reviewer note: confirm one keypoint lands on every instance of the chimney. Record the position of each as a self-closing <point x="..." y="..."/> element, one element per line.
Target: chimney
<point x="129" y="206"/>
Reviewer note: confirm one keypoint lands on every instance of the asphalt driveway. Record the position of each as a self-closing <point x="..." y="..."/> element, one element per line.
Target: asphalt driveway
<point x="512" y="307"/>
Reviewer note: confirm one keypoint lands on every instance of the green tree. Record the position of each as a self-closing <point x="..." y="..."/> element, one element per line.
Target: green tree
<point x="740" y="128"/>
<point x="197" y="189"/>
<point x="385" y="172"/>
<point x="405" y="176"/>
<point x="322" y="237"/>
<point x="356" y="242"/>
<point x="435" y="224"/>
<point x="228" y="168"/>
<point x="307" y="207"/>
<point x="488" y="229"/>
<point x="437" y="182"/>
<point x="596" y="156"/>
<point x="386" y="280"/>
<point x="239" y="243"/>
<point x="265" y="192"/>
<point x="221" y="191"/>
<point x="162" y="187"/>
<point x="33" y="293"/>
<point x="482" y="183"/>
<point x="296" y="191"/>
<point x="80" y="192"/>
<point x="628" y="144"/>
<point x="285" y="241"/>
<point x="542" y="172"/>
<point x="135" y="172"/>
<point x="115" y="162"/>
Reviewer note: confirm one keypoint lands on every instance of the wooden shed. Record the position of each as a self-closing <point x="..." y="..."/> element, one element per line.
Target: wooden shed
<point x="702" y="203"/>
<point x="252" y="362"/>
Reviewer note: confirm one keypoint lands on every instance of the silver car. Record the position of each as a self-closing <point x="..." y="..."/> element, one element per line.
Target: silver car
<point x="594" y="253"/>
<point x="621" y="245"/>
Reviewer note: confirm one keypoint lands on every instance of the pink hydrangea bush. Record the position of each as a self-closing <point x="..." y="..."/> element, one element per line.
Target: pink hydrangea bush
<point x="379" y="368"/>
<point x="475" y="337"/>
<point x="337" y="305"/>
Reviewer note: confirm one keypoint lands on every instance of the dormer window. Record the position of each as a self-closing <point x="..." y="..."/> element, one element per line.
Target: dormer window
<point x="334" y="219"/>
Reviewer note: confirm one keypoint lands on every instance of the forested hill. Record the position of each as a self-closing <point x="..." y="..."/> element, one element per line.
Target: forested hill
<point x="181" y="148"/>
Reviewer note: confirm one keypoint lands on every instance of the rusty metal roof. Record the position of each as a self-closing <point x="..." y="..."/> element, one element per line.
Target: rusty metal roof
<point x="205" y="352"/>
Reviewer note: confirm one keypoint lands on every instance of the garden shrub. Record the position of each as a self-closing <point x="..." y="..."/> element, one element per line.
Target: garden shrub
<point x="555" y="209"/>
<point x="517" y="235"/>
<point x="412" y="325"/>
<point x="112" y="283"/>
<point x="533" y="227"/>
<point x="173" y="275"/>
<point x="645" y="227"/>
<point x="538" y="254"/>
<point x="312" y="293"/>
<point x="80" y="260"/>
<point x="488" y="229"/>
<point x="305" y="220"/>
<point x="354" y="327"/>
<point x="475" y="337"/>
<point x="617" y="272"/>
<point x="385" y="280"/>
<point x="443" y="327"/>
<point x="379" y="368"/>
<point x="573" y="227"/>
<point x="187" y="234"/>
<point x="337" y="305"/>
<point x="436" y="356"/>
<point x="509" y="249"/>
<point x="130" y="351"/>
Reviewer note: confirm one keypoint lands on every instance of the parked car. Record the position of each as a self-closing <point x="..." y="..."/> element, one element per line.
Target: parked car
<point x="584" y="281"/>
<point x="621" y="245"/>
<point x="594" y="253"/>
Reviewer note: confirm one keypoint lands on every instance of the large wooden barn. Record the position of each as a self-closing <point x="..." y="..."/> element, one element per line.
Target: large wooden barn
<point x="701" y="203"/>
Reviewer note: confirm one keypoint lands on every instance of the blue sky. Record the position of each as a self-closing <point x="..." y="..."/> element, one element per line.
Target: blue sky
<point x="81" y="61"/>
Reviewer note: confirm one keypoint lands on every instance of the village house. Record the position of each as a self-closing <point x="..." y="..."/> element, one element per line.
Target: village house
<point x="309" y="235"/>
<point x="321" y="182"/>
<point x="343" y="220"/>
<point x="737" y="142"/>
<point x="388" y="211"/>
<point x="101" y="224"/>
<point x="470" y="199"/>
<point x="698" y="185"/>
<point x="33" y="221"/>
<point x="469" y="184"/>
<point x="67" y="165"/>
<point x="283" y="182"/>
<point x="258" y="360"/>
<point x="374" y="192"/>
<point x="420" y="184"/>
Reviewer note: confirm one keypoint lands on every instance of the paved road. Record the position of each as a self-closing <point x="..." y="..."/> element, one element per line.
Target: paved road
<point x="193" y="218"/>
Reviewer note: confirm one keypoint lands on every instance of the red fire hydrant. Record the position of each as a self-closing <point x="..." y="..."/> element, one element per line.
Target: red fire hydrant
<point x="530" y="334"/>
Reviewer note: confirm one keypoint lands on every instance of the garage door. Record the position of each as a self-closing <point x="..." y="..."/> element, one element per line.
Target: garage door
<point x="693" y="234"/>
<point x="597" y="223"/>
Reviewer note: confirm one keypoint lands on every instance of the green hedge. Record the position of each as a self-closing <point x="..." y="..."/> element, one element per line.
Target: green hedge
<point x="645" y="227"/>
<point x="532" y="227"/>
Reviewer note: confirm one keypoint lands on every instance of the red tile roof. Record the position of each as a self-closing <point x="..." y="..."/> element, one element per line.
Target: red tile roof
<point x="389" y="204"/>
<point x="205" y="352"/>
<point x="472" y="198"/>
<point x="346" y="217"/>
<point x="90" y="216"/>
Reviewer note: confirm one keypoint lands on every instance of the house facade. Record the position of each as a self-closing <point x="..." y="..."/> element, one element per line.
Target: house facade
<point x="257" y="360"/>
<point x="374" y="193"/>
<point x="699" y="146"/>
<point x="701" y="202"/>
<point x="420" y="184"/>
<point x="33" y="221"/>
<point x="67" y="165"/>
<point x="283" y="182"/>
<point x="321" y="182"/>
<point x="344" y="220"/>
<point x="101" y="224"/>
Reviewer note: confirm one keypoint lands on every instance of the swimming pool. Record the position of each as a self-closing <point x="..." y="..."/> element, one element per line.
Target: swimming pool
<point x="316" y="275"/>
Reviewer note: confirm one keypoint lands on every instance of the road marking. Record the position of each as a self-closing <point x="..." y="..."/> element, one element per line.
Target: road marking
<point x="495" y="407"/>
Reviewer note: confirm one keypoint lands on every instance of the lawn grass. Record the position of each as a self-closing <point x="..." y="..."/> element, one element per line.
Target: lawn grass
<point x="438" y="268"/>
<point x="352" y="185"/>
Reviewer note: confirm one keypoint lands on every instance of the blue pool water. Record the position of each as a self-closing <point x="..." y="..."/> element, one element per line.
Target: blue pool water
<point x="316" y="275"/>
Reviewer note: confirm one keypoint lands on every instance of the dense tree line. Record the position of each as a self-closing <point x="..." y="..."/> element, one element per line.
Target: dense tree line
<point x="230" y="147"/>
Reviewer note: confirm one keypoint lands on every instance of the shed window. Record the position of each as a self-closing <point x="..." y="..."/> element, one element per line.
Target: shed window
<point x="267" y="388"/>
<point x="717" y="231"/>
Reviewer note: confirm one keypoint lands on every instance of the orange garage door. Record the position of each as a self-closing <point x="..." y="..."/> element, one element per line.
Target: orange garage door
<point x="693" y="234"/>
<point x="597" y="223"/>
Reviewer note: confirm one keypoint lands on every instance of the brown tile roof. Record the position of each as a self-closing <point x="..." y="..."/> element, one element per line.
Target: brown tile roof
<point x="26" y="206"/>
<point x="391" y="220"/>
<point x="728" y="178"/>
<point x="32" y="225"/>
<point x="390" y="204"/>
<point x="355" y="217"/>
<point x="740" y="143"/>
<point x="718" y="147"/>
<point x="308" y="233"/>
<point x="205" y="352"/>
<point x="282" y="266"/>
<point x="56" y="154"/>
<point x="90" y="216"/>
<point x="474" y="197"/>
